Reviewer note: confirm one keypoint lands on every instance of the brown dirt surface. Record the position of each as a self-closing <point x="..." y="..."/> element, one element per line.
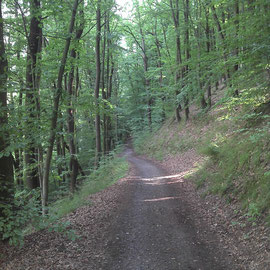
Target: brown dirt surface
<point x="144" y="221"/>
<point x="153" y="219"/>
<point x="50" y="250"/>
<point x="247" y="243"/>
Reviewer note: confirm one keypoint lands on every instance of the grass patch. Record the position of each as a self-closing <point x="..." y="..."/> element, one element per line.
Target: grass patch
<point x="106" y="175"/>
<point x="240" y="170"/>
<point x="167" y="140"/>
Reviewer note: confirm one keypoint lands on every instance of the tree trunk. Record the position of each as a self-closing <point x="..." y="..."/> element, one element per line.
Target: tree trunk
<point x="159" y="65"/>
<point x="104" y="49"/>
<point x="146" y="80"/>
<point x="97" y="85"/>
<point x="109" y="94"/>
<point x="222" y="37"/>
<point x="236" y="66"/>
<point x="18" y="163"/>
<point x="179" y="71"/>
<point x="58" y="92"/>
<point x="72" y="95"/>
<point x="32" y="70"/>
<point x="187" y="45"/>
<point x="6" y="168"/>
<point x="208" y="49"/>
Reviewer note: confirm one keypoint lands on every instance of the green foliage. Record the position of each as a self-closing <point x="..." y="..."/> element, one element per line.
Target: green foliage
<point x="26" y="209"/>
<point x="240" y="167"/>
<point x="253" y="211"/>
<point x="106" y="175"/>
<point x="212" y="150"/>
<point x="25" y="215"/>
<point x="200" y="181"/>
<point x="168" y="139"/>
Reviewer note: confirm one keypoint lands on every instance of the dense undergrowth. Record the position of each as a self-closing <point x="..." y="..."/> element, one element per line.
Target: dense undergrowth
<point x="28" y="217"/>
<point x="235" y="141"/>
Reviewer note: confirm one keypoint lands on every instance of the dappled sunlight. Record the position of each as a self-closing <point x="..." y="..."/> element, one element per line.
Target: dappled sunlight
<point x="175" y="178"/>
<point x="161" y="199"/>
<point x="166" y="177"/>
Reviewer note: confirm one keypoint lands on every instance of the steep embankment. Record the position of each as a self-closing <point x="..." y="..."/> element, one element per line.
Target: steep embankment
<point x="224" y="158"/>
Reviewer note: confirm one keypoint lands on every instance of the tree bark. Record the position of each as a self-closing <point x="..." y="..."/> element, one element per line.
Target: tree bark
<point x="104" y="96"/>
<point x="58" y="92"/>
<point x="159" y="65"/>
<point x="109" y="80"/>
<point x="208" y="49"/>
<point x="146" y="80"/>
<point x="222" y="37"/>
<point x="187" y="45"/>
<point x="236" y="66"/>
<point x="32" y="70"/>
<point x="72" y="95"/>
<point x="6" y="163"/>
<point x="179" y="70"/>
<point x="97" y="85"/>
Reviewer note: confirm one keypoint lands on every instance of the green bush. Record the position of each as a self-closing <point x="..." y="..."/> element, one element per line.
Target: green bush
<point x="26" y="209"/>
<point x="25" y="215"/>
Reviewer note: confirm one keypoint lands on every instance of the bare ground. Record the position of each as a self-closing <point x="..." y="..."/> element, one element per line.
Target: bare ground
<point x="152" y="219"/>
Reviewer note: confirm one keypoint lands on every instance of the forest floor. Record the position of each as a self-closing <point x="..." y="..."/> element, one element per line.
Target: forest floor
<point x="151" y="219"/>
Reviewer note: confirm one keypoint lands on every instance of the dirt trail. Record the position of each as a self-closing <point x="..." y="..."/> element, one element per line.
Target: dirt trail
<point x="143" y="222"/>
<point x="154" y="230"/>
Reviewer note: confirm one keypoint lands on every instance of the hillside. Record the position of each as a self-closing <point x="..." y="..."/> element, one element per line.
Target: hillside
<point x="223" y="156"/>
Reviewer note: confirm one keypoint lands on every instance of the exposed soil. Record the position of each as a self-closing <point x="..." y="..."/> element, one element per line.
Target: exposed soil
<point x="150" y="220"/>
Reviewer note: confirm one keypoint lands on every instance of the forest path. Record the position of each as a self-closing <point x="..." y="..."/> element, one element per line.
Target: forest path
<point x="145" y="221"/>
<point x="154" y="229"/>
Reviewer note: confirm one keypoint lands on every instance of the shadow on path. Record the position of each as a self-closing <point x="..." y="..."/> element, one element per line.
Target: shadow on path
<point x="154" y="230"/>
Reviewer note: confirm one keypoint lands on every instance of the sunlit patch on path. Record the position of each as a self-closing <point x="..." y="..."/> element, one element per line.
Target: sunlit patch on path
<point x="161" y="199"/>
<point x="166" y="177"/>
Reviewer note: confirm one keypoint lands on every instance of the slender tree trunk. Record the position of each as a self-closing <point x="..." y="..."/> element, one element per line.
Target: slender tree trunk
<point x="18" y="164"/>
<point x="97" y="85"/>
<point x="110" y="72"/>
<point x="104" y="49"/>
<point x="59" y="155"/>
<point x="198" y="35"/>
<point x="72" y="95"/>
<point x="18" y="153"/>
<point x="6" y="162"/>
<point x="63" y="154"/>
<point x="222" y="37"/>
<point x="208" y="49"/>
<point x="34" y="48"/>
<point x="146" y="80"/>
<point x="187" y="45"/>
<point x="179" y="71"/>
<point x="159" y="65"/>
<point x="236" y="66"/>
<point x="58" y="92"/>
